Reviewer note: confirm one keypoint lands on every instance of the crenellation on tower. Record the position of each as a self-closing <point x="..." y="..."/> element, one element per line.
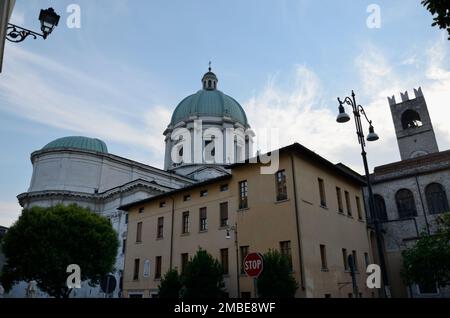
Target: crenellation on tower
<point x="413" y="127"/>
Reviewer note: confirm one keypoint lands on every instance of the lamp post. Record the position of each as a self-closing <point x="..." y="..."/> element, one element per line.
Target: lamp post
<point x="48" y="19"/>
<point x="228" y="236"/>
<point x="343" y="117"/>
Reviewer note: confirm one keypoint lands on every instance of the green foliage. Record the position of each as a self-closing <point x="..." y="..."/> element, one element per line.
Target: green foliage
<point x="44" y="241"/>
<point x="276" y="280"/>
<point x="428" y="261"/>
<point x="170" y="285"/>
<point x="203" y="277"/>
<point x="442" y="9"/>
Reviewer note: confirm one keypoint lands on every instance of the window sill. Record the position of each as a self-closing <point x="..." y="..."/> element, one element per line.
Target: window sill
<point x="160" y="238"/>
<point x="202" y="231"/>
<point x="139" y="242"/>
<point x="324" y="207"/>
<point x="324" y="270"/>
<point x="281" y="201"/>
<point x="243" y="209"/>
<point x="185" y="234"/>
<point x="361" y="220"/>
<point x="350" y="216"/>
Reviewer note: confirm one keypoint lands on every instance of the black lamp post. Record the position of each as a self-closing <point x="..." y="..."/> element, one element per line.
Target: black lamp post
<point x="228" y="236"/>
<point x="49" y="20"/>
<point x="372" y="136"/>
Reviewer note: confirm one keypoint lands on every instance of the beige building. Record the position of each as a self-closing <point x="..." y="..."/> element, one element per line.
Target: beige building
<point x="311" y="210"/>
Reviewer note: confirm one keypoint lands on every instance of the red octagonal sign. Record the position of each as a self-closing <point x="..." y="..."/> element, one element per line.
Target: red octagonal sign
<point x="253" y="264"/>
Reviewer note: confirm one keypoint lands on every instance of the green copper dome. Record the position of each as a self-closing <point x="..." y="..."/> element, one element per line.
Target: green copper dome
<point x="78" y="142"/>
<point x="209" y="102"/>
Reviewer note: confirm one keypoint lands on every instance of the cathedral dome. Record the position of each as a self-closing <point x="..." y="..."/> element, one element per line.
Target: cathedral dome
<point x="78" y="142"/>
<point x="209" y="102"/>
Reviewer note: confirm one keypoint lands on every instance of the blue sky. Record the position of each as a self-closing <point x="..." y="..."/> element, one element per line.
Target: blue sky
<point x="123" y="72"/>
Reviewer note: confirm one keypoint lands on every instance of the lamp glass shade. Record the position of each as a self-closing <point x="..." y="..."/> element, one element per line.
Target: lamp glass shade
<point x="372" y="136"/>
<point x="342" y="117"/>
<point x="49" y="19"/>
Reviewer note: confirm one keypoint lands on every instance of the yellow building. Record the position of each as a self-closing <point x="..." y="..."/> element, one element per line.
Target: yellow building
<point x="310" y="209"/>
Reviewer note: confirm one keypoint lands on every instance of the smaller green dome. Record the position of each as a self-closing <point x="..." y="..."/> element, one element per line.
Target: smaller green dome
<point x="78" y="142"/>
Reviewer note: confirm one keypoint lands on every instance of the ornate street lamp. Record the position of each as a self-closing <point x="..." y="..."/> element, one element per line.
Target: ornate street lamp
<point x="372" y="136"/>
<point x="49" y="20"/>
<point x="228" y="236"/>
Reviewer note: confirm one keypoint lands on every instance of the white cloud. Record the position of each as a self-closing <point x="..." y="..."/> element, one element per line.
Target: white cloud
<point x="9" y="213"/>
<point x="56" y="95"/>
<point x="302" y="115"/>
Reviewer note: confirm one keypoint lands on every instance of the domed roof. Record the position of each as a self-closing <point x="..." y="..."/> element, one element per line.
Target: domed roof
<point x="209" y="102"/>
<point x="78" y="142"/>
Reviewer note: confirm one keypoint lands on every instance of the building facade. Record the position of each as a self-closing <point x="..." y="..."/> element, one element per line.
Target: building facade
<point x="310" y="209"/>
<point x="411" y="194"/>
<point x="80" y="169"/>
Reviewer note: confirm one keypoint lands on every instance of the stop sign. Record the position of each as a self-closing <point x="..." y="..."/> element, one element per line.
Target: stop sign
<point x="253" y="264"/>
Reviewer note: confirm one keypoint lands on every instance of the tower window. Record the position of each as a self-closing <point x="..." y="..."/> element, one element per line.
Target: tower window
<point x="411" y="119"/>
<point x="209" y="83"/>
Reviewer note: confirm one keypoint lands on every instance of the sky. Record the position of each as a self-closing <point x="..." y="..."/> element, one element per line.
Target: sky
<point x="120" y="75"/>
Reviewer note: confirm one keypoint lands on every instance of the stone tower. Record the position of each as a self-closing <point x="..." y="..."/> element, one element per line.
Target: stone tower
<point x="415" y="134"/>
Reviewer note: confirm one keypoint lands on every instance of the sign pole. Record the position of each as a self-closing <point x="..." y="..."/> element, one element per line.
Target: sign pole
<point x="255" y="286"/>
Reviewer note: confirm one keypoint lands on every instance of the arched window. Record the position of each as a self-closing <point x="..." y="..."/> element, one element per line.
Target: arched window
<point x="436" y="198"/>
<point x="380" y="207"/>
<point x="405" y="204"/>
<point x="411" y="119"/>
<point x="209" y="83"/>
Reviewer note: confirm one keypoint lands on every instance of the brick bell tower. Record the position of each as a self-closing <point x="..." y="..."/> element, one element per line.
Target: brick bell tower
<point x="415" y="134"/>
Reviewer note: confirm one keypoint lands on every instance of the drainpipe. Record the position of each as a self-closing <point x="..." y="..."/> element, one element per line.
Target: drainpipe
<point x="299" y="241"/>
<point x="423" y="205"/>
<point x="171" y="232"/>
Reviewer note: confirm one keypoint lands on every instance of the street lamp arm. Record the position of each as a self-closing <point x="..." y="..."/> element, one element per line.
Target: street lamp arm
<point x="362" y="111"/>
<point x="347" y="100"/>
<point x="15" y="33"/>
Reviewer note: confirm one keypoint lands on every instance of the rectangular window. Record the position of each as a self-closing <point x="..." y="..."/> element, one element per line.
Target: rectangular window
<point x="203" y="220"/>
<point x="243" y="194"/>
<point x="327" y="295"/>
<point x="244" y="252"/>
<point x="124" y="245"/>
<point x="141" y="210"/>
<point x="345" y="258"/>
<point x="184" y="261"/>
<point x="203" y="193"/>
<point x="185" y="224"/>
<point x="139" y="232"/>
<point x="355" y="260"/>
<point x="366" y="259"/>
<point x="158" y="261"/>
<point x="146" y="268"/>
<point x="224" y="214"/>
<point x="323" y="199"/>
<point x="339" y="200"/>
<point x="224" y="260"/>
<point x="280" y="179"/>
<point x="358" y="208"/>
<point x="160" y="229"/>
<point x="285" y="249"/>
<point x="323" y="257"/>
<point x="348" y="203"/>
<point x="224" y="187"/>
<point x="162" y="204"/>
<point x="187" y="197"/>
<point x="126" y="218"/>
<point x="136" y="269"/>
